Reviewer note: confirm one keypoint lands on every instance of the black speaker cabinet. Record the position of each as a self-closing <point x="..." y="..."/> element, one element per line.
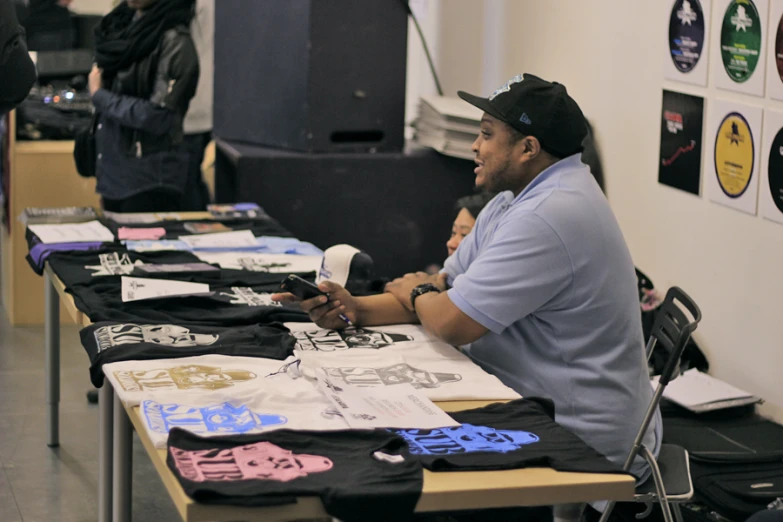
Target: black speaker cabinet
<point x="397" y="207"/>
<point x="311" y="75"/>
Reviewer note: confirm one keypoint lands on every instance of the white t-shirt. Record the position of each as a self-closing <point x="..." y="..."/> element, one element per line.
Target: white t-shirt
<point x="233" y="377"/>
<point x="310" y="336"/>
<point x="272" y="263"/>
<point x="439" y="370"/>
<point x="296" y="407"/>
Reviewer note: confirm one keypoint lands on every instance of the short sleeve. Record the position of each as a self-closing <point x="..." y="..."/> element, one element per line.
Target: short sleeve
<point x="457" y="263"/>
<point x="525" y="267"/>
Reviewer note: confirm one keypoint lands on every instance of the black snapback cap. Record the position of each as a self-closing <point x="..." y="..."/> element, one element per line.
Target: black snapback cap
<point x="539" y="108"/>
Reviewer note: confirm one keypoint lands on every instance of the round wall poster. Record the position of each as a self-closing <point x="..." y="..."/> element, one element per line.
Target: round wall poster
<point x="775" y="169"/>
<point x="740" y="40"/>
<point x="686" y="34"/>
<point x="734" y="149"/>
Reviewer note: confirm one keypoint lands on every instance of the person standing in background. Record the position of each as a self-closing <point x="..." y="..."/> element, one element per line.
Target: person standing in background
<point x="146" y="74"/>
<point x="198" y="120"/>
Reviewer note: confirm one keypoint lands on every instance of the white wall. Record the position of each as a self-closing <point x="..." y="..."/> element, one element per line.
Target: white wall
<point x="608" y="53"/>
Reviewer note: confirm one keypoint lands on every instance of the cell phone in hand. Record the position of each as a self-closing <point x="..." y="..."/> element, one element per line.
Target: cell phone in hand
<point x="301" y="288"/>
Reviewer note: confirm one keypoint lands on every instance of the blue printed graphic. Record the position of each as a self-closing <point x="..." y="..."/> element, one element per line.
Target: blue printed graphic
<point x="465" y="439"/>
<point x="217" y="418"/>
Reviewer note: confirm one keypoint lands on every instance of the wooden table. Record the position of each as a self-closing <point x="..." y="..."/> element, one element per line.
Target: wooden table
<point x="441" y="491"/>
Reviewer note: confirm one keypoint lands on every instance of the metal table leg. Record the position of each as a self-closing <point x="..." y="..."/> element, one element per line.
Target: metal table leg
<point x="123" y="464"/>
<point x="52" y="340"/>
<point x="105" y="454"/>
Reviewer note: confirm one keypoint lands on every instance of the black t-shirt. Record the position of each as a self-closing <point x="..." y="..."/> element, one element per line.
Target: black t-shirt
<point x="109" y="342"/>
<point x="230" y="303"/>
<point x="87" y="267"/>
<point x="109" y="264"/>
<point x="359" y="475"/>
<point x="517" y="434"/>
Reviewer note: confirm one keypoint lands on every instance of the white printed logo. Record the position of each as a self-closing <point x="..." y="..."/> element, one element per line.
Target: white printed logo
<point x="162" y="334"/>
<point x="741" y="20"/>
<point x="113" y="264"/>
<point x="686" y="15"/>
<point x="506" y="86"/>
<point x="247" y="296"/>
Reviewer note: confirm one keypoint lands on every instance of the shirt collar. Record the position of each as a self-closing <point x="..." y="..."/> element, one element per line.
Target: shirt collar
<point x="567" y="163"/>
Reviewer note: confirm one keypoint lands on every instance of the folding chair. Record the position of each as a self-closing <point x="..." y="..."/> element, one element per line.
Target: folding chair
<point x="670" y="480"/>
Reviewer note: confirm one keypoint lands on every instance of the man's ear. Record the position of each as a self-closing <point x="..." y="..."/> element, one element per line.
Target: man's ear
<point x="532" y="146"/>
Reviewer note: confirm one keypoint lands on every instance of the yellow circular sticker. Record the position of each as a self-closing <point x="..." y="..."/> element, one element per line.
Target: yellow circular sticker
<point x="734" y="156"/>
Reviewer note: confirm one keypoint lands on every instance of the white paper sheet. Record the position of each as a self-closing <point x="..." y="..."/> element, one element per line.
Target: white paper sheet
<point x="239" y="238"/>
<point x="72" y="232"/>
<point x="138" y="288"/>
<point x="693" y="389"/>
<point x="400" y="406"/>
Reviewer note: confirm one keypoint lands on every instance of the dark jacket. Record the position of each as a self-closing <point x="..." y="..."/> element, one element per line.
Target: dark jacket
<point x="17" y="72"/>
<point x="139" y="136"/>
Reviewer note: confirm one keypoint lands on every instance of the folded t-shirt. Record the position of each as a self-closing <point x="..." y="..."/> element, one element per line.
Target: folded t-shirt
<point x="84" y="268"/>
<point x="109" y="342"/>
<point x="438" y="369"/>
<point x="517" y="434"/>
<point x="359" y="475"/>
<point x="226" y="305"/>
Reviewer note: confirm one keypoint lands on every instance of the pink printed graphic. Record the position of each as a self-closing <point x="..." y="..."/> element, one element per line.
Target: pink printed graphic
<point x="259" y="461"/>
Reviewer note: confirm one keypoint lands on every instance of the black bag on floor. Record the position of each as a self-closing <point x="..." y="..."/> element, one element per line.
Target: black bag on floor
<point x="736" y="460"/>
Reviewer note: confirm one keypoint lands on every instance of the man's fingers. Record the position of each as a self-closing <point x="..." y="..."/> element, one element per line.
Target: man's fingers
<point x="284" y="297"/>
<point x="329" y="287"/>
<point x="442" y="281"/>
<point x="315" y="302"/>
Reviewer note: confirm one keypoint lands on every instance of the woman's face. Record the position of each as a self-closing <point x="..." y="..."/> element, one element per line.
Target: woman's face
<point x="461" y="227"/>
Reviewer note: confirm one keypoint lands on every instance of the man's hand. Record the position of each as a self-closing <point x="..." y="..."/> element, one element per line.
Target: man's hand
<point x="95" y="81"/>
<point x="326" y="313"/>
<point x="402" y="286"/>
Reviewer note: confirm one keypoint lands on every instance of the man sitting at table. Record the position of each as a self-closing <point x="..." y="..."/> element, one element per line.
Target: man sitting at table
<point x="543" y="288"/>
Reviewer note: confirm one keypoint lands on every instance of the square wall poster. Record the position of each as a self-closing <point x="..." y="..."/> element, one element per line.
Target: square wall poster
<point x="682" y="117"/>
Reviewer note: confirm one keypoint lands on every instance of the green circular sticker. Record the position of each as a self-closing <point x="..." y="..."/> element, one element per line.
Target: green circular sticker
<point x="740" y="40"/>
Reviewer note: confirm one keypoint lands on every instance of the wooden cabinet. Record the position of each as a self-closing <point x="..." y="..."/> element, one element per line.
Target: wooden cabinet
<point x="42" y="174"/>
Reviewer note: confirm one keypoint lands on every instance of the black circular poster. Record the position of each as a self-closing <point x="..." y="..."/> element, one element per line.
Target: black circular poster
<point x="686" y="34"/>
<point x="775" y="170"/>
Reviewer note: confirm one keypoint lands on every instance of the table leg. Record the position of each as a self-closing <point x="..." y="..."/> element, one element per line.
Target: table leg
<point x="122" y="494"/>
<point x="52" y="340"/>
<point x="105" y="454"/>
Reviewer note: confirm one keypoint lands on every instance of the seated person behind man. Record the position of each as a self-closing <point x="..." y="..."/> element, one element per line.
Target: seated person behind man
<point x="468" y="208"/>
<point x="544" y="286"/>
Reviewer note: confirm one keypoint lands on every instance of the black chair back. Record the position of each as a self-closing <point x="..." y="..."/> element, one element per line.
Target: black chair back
<point x="673" y="329"/>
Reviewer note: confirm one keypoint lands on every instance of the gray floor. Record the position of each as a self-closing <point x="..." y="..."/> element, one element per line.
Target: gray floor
<point x="42" y="484"/>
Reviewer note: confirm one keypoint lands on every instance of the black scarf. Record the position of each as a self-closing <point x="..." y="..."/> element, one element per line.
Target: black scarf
<point x="120" y="41"/>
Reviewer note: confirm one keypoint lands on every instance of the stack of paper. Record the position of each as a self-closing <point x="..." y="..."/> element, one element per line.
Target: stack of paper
<point x="35" y="216"/>
<point x="449" y="125"/>
<point x="700" y="392"/>
<point x="92" y="231"/>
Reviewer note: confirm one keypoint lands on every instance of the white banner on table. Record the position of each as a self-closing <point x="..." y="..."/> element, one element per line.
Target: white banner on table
<point x="72" y="232"/>
<point x="238" y="238"/>
<point x="399" y="406"/>
<point x="138" y="288"/>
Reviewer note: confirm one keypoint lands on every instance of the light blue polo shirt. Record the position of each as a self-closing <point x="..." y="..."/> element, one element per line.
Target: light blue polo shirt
<point x="549" y="274"/>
